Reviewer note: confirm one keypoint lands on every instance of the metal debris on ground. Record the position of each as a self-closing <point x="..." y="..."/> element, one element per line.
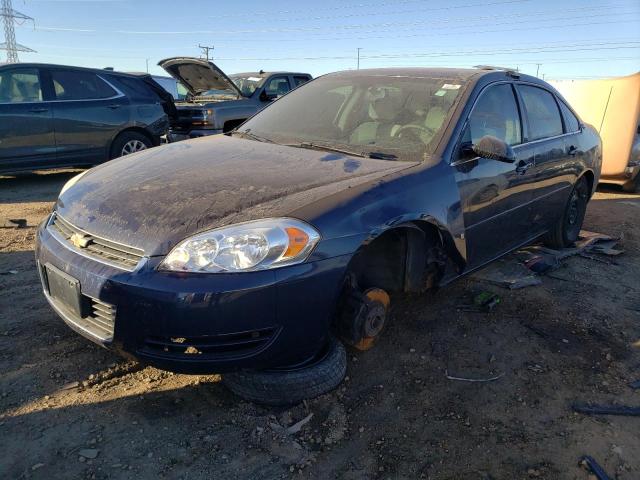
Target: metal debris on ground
<point x="9" y="272"/>
<point x="13" y="222"/>
<point x="591" y="465"/>
<point x="296" y="427"/>
<point x="474" y="380"/>
<point x="606" y="410"/>
<point x="523" y="267"/>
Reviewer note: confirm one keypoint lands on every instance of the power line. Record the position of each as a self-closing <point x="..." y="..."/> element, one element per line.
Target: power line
<point x="205" y="51"/>
<point x="9" y="17"/>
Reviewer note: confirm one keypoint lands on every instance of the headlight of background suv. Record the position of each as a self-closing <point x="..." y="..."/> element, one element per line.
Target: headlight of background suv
<point x="245" y="247"/>
<point x="71" y="182"/>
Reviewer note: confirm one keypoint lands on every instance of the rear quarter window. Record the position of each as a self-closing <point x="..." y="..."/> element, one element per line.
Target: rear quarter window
<point x="571" y="123"/>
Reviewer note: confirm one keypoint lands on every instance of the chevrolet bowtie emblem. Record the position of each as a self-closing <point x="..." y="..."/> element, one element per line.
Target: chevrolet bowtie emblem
<point x="80" y="240"/>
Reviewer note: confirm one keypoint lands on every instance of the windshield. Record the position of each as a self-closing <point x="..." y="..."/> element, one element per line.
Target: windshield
<point x="246" y="84"/>
<point x="389" y="115"/>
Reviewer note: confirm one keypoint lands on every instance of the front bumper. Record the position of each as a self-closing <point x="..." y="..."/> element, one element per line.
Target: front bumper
<point x="201" y="323"/>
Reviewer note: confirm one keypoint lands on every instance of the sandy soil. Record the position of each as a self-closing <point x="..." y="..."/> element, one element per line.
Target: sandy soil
<point x="69" y="409"/>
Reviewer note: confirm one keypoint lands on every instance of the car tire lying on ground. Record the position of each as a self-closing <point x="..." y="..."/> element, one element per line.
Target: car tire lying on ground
<point x="567" y="230"/>
<point x="288" y="386"/>
<point x="129" y="142"/>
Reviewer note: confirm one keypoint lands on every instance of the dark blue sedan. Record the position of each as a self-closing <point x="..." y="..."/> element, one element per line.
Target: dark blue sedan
<point x="251" y="252"/>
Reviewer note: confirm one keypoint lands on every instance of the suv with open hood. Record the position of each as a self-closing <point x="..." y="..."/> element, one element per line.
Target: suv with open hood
<point x="218" y="103"/>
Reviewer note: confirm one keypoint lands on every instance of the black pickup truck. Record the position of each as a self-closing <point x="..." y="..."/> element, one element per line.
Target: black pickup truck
<point x="218" y="103"/>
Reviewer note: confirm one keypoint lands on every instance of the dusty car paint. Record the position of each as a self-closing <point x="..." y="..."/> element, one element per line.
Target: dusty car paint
<point x="479" y="209"/>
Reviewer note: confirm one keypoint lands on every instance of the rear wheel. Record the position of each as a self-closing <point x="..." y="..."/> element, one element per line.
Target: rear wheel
<point x="567" y="230"/>
<point x="291" y="385"/>
<point x="633" y="186"/>
<point x="129" y="142"/>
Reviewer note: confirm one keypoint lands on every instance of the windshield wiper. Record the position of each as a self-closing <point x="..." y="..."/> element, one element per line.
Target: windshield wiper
<point x="330" y="148"/>
<point x="252" y="136"/>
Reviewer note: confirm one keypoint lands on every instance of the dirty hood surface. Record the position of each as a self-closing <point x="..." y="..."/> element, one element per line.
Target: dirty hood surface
<point x="198" y="75"/>
<point x="156" y="198"/>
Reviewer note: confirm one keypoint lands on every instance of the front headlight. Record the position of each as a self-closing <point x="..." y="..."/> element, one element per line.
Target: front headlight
<point x="245" y="247"/>
<point x="71" y="182"/>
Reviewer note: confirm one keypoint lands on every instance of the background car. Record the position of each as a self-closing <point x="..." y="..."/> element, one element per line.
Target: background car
<point x="58" y="116"/>
<point x="218" y="103"/>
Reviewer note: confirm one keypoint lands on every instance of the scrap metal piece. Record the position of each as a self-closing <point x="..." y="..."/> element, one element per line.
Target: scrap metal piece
<point x="590" y="464"/>
<point x="606" y="410"/>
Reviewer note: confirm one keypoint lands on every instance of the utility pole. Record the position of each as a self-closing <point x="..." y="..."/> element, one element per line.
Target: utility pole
<point x="538" y="69"/>
<point x="358" y="64"/>
<point x="147" y="60"/>
<point x="205" y="51"/>
<point x="9" y="16"/>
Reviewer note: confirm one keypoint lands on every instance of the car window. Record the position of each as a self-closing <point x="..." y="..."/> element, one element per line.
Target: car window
<point x="247" y="85"/>
<point x="571" y="123"/>
<point x="77" y="85"/>
<point x="300" y="79"/>
<point x="542" y="112"/>
<point x="400" y="117"/>
<point x="20" y="86"/>
<point x="277" y="86"/>
<point x="495" y="114"/>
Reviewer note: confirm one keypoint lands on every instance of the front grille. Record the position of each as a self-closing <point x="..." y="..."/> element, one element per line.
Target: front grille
<point x="102" y="316"/>
<point x="106" y="251"/>
<point x="211" y="346"/>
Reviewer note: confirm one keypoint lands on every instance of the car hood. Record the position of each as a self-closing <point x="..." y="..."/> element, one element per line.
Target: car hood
<point x="156" y="198"/>
<point x="198" y="75"/>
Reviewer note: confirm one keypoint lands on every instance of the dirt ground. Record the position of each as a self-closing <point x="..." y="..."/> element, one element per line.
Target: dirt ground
<point x="70" y="409"/>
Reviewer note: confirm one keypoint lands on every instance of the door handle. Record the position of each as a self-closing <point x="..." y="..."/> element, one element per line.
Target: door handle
<point x="113" y="106"/>
<point x="523" y="166"/>
<point x="573" y="150"/>
<point x="39" y="110"/>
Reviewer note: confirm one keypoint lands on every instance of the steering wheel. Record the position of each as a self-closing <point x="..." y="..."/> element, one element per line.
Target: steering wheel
<point x="415" y="130"/>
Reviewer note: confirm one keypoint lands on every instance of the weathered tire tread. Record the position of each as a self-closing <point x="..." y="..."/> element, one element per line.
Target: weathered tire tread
<point x="290" y="387"/>
<point x="555" y="238"/>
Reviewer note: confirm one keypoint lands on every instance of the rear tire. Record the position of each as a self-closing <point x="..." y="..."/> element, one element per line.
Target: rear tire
<point x="129" y="142"/>
<point x="567" y="230"/>
<point x="632" y="186"/>
<point x="288" y="386"/>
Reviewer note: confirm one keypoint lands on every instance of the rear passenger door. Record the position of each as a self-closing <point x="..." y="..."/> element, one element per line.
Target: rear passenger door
<point x="26" y="121"/>
<point x="547" y="133"/>
<point x="88" y="113"/>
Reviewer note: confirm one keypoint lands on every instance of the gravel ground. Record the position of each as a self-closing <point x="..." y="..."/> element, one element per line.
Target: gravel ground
<point x="69" y="409"/>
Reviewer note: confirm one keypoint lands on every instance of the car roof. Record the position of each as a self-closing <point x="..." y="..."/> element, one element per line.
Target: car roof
<point x="72" y="67"/>
<point x="266" y="74"/>
<point x="462" y="74"/>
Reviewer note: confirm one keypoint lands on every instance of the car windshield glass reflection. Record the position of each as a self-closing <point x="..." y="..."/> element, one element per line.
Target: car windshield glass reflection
<point x="397" y="116"/>
<point x="247" y="85"/>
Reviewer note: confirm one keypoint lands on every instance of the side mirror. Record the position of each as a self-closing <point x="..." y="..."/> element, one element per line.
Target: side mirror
<point x="265" y="97"/>
<point x="494" y="149"/>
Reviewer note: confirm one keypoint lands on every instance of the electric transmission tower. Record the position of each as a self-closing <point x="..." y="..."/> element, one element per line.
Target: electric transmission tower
<point x="9" y="17"/>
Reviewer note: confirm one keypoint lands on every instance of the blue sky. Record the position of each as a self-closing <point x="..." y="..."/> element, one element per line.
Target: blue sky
<point x="569" y="38"/>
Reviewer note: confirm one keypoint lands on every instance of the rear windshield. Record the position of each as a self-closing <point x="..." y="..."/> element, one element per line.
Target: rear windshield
<point x="398" y="116"/>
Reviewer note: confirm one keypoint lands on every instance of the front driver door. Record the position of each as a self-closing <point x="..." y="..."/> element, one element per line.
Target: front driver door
<point x="26" y="121"/>
<point x="495" y="195"/>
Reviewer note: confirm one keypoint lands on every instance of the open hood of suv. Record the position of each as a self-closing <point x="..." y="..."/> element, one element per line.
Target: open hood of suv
<point x="198" y="75"/>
